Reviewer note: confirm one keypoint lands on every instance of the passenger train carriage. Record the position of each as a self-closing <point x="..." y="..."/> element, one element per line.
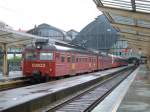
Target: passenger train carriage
<point x="44" y="59"/>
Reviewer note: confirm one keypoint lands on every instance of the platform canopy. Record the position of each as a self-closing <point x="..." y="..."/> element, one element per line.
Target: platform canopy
<point x="15" y="38"/>
<point x="131" y="18"/>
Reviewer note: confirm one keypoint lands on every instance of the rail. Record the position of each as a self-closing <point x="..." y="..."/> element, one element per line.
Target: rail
<point x="87" y="100"/>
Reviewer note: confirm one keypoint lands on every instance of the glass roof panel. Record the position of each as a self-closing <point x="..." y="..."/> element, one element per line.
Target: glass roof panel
<point x="118" y="6"/>
<point x="139" y="6"/>
<point x="122" y="19"/>
<point x="117" y="3"/>
<point x="128" y="31"/>
<point x="142" y="2"/>
<point x="143" y="24"/>
<point x="145" y="34"/>
<point x="125" y="4"/>
<point x="142" y="10"/>
<point x="143" y="5"/>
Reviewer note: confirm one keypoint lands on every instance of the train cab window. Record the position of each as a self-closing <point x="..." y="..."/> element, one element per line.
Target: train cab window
<point x="31" y="55"/>
<point x="69" y="59"/>
<point x="46" y="56"/>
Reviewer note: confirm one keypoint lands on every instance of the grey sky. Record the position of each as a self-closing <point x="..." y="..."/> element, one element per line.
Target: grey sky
<point x="64" y="14"/>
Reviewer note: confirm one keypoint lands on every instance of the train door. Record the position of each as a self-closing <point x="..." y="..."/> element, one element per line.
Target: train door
<point x="73" y="67"/>
<point x="90" y="64"/>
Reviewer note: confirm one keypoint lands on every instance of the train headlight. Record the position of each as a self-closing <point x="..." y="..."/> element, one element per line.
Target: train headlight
<point x="38" y="47"/>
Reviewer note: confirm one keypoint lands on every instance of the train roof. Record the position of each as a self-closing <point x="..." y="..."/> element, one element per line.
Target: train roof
<point x="60" y="47"/>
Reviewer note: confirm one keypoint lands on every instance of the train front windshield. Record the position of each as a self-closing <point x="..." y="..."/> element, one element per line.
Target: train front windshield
<point x="32" y="55"/>
<point x="45" y="56"/>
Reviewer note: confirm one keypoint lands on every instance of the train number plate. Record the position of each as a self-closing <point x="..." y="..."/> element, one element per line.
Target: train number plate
<point x="38" y="65"/>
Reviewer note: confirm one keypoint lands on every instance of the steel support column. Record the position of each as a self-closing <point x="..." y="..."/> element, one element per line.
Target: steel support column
<point x="5" y="62"/>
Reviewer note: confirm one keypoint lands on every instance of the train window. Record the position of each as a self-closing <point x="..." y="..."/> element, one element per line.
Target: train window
<point x="30" y="55"/>
<point x="46" y="56"/>
<point x="57" y="55"/>
<point x="86" y="60"/>
<point x="69" y="59"/>
<point x="73" y="58"/>
<point x="76" y="59"/>
<point x="62" y="58"/>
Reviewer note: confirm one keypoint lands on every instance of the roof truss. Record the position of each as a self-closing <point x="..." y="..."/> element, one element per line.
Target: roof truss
<point x="131" y="18"/>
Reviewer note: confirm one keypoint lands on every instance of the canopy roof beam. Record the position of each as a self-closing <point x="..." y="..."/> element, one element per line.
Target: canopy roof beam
<point x="135" y="39"/>
<point x="134" y="28"/>
<point x="126" y="13"/>
<point x="134" y="35"/>
<point x="138" y="44"/>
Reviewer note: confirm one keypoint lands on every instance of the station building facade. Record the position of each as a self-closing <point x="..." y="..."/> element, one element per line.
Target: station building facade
<point x="121" y="48"/>
<point x="100" y="35"/>
<point x="45" y="30"/>
<point x="72" y="33"/>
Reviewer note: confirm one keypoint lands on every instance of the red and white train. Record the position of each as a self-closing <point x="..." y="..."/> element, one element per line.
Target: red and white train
<point x="45" y="59"/>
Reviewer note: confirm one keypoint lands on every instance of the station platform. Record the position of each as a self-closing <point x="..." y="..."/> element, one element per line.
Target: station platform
<point x="137" y="98"/>
<point x="13" y="75"/>
<point x="30" y="95"/>
<point x="132" y="95"/>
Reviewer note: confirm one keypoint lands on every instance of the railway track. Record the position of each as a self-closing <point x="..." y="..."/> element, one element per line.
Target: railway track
<point x="54" y="95"/>
<point x="88" y="99"/>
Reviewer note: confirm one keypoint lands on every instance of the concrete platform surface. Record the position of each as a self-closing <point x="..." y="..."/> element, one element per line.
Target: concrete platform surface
<point x="137" y="98"/>
<point x="13" y="75"/>
<point x="113" y="100"/>
<point x="11" y="98"/>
